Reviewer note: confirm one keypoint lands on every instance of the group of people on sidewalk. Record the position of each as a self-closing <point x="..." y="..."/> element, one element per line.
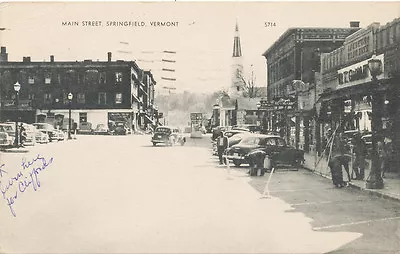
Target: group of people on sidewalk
<point x="339" y="157"/>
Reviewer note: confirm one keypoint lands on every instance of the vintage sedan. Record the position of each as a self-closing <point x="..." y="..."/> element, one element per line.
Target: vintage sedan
<point x="47" y="129"/>
<point x="168" y="136"/>
<point x="6" y="141"/>
<point x="101" y="129"/>
<point x="274" y="146"/>
<point x="41" y="138"/>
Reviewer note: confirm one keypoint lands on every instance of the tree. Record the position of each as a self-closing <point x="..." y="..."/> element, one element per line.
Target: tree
<point x="250" y="90"/>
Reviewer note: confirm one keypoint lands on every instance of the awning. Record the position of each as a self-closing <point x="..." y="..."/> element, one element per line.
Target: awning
<point x="135" y="98"/>
<point x="149" y="119"/>
<point x="366" y="89"/>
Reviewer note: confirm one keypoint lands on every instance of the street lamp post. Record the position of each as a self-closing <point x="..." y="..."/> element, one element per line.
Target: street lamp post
<point x="374" y="180"/>
<point x="17" y="87"/>
<point x="258" y="114"/>
<point x="70" y="96"/>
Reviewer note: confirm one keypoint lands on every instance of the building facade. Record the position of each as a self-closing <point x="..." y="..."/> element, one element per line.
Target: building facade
<point x="295" y="56"/>
<point x="104" y="92"/>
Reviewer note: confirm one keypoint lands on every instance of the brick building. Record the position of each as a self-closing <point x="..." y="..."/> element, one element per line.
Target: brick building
<point x="296" y="56"/>
<point x="103" y="91"/>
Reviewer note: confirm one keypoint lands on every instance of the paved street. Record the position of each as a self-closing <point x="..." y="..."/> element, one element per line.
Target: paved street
<point x="114" y="194"/>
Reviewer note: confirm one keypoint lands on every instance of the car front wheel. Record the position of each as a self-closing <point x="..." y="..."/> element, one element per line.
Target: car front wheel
<point x="237" y="163"/>
<point x="154" y="143"/>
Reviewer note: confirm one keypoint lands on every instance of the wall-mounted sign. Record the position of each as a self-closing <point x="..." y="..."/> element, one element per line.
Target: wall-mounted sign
<point x="357" y="73"/>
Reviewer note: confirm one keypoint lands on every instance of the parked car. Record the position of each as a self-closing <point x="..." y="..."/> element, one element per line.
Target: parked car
<point x="47" y="129"/>
<point x="101" y="129"/>
<point x="168" y="136"/>
<point x="120" y="128"/>
<point x="6" y="141"/>
<point x="272" y="145"/>
<point x="41" y="138"/>
<point x="85" y="128"/>
<point x="248" y="127"/>
<point x="30" y="130"/>
<point x="9" y="128"/>
<point x="234" y="137"/>
<point x="59" y="135"/>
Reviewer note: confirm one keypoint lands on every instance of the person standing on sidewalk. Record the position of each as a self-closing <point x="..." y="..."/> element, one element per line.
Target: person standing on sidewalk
<point x="222" y="144"/>
<point x="360" y="152"/>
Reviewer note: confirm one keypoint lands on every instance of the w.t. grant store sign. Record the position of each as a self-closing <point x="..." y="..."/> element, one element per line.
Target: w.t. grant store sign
<point x="357" y="73"/>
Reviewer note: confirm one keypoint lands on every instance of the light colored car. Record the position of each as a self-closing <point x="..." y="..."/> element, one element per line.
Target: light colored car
<point x="59" y="135"/>
<point x="101" y="129"/>
<point x="41" y="138"/>
<point x="6" y="141"/>
<point x="47" y="129"/>
<point x="85" y="128"/>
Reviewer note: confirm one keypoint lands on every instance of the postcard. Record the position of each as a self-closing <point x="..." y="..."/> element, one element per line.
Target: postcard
<point x="199" y="127"/>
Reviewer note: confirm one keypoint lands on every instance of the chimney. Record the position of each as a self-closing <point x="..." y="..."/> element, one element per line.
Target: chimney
<point x="354" y="24"/>
<point x="26" y="59"/>
<point x="109" y="56"/>
<point x="3" y="55"/>
<point x="52" y="59"/>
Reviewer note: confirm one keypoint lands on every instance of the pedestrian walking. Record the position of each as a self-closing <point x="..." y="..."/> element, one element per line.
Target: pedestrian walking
<point x="338" y="160"/>
<point x="222" y="144"/>
<point x="384" y="149"/>
<point x="360" y="151"/>
<point x="22" y="135"/>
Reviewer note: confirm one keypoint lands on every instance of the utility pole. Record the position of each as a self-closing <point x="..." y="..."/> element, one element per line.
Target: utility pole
<point x="169" y="88"/>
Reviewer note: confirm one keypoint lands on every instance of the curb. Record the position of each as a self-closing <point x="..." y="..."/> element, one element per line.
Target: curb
<point x="376" y="193"/>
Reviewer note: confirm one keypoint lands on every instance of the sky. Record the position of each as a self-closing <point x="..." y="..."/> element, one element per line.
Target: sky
<point x="202" y="40"/>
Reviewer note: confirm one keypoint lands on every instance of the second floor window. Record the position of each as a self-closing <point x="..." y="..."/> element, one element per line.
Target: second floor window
<point x="31" y="80"/>
<point x="81" y="98"/>
<point x="31" y="96"/>
<point x="47" y="78"/>
<point x="118" y="77"/>
<point x="118" y="98"/>
<point x="102" y="98"/>
<point x="47" y="98"/>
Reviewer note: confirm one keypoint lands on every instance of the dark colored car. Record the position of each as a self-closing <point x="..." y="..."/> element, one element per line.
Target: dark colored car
<point x="234" y="137"/>
<point x="120" y="128"/>
<point x="168" y="136"/>
<point x="272" y="145"/>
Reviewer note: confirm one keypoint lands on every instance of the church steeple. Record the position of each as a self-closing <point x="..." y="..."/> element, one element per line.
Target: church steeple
<point x="237" y="50"/>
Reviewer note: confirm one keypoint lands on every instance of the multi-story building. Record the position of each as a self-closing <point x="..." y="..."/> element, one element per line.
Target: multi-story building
<point x="103" y="92"/>
<point x="296" y="56"/>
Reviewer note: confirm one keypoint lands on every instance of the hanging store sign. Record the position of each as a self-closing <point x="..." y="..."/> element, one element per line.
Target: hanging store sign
<point x="357" y="73"/>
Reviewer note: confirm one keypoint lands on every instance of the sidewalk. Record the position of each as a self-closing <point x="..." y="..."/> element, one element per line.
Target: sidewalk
<point x="391" y="181"/>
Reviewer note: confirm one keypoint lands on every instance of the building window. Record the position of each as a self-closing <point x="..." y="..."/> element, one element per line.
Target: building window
<point x="102" y="98"/>
<point x="47" y="78"/>
<point x="118" y="77"/>
<point x="103" y="78"/>
<point x="31" y="96"/>
<point x="47" y="98"/>
<point x="31" y="80"/>
<point x="82" y="117"/>
<point x="81" y="98"/>
<point x="118" y="98"/>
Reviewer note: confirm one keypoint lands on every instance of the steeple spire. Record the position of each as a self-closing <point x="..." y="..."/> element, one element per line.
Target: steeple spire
<point x="237" y="50"/>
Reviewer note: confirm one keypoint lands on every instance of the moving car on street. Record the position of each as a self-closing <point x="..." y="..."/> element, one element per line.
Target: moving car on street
<point x="274" y="146"/>
<point x="168" y="136"/>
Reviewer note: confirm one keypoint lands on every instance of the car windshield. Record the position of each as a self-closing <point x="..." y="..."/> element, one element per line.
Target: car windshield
<point x="43" y="126"/>
<point x="163" y="130"/>
<point x="6" y="128"/>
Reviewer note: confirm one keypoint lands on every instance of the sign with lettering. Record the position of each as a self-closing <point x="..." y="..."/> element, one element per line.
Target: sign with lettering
<point x="357" y="73"/>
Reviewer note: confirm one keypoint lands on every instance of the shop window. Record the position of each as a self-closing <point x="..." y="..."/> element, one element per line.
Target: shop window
<point x="118" y="98"/>
<point x="81" y="98"/>
<point x="82" y="117"/>
<point x="102" y="99"/>
<point x="47" y="98"/>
